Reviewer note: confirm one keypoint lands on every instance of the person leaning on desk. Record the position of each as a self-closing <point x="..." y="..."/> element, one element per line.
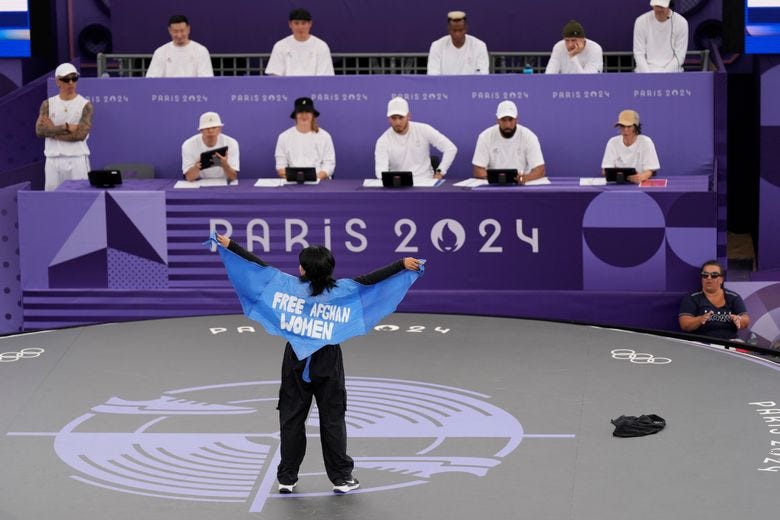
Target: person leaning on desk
<point x="210" y="138"/>
<point x="507" y="145"/>
<point x="631" y="149"/>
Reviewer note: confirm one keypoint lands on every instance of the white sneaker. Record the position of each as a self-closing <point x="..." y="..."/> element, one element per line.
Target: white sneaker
<point x="345" y="486"/>
<point x="287" y="488"/>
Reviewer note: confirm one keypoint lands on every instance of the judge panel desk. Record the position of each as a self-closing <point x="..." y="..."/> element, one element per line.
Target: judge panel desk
<point x="616" y="254"/>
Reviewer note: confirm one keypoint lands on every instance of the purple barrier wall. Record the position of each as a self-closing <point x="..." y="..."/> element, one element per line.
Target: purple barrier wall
<point x="140" y="120"/>
<point x="90" y="253"/>
<point x="19" y="145"/>
<point x="762" y="300"/>
<point x="11" y="316"/>
<point x="373" y="25"/>
<point x="769" y="187"/>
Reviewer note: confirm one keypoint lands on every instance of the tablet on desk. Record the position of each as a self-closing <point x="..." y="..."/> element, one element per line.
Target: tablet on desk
<point x="502" y="176"/>
<point x="300" y="175"/>
<point x="208" y="159"/>
<point x="397" y="179"/>
<point x="104" y="178"/>
<point x="619" y="175"/>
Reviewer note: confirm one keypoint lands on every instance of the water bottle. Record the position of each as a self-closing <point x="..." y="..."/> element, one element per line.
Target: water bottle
<point x="528" y="69"/>
<point x="753" y="339"/>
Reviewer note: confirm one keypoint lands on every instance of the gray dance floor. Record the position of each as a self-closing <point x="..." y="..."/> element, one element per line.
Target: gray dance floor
<point x="450" y="417"/>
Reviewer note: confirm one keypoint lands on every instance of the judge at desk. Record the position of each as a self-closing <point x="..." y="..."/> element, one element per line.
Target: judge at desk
<point x="210" y="154"/>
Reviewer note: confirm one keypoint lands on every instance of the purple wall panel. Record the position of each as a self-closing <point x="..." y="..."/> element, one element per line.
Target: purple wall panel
<point x="762" y="300"/>
<point x="140" y="120"/>
<point x="769" y="187"/>
<point x="20" y="146"/>
<point x="373" y="25"/>
<point x="10" y="271"/>
<point x="469" y="237"/>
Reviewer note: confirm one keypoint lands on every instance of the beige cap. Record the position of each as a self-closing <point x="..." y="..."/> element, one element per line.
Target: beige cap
<point x="456" y="15"/>
<point x="628" y="118"/>
<point x="506" y="109"/>
<point x="660" y="3"/>
<point x="397" y="107"/>
<point x="209" y="120"/>
<point x="65" y="69"/>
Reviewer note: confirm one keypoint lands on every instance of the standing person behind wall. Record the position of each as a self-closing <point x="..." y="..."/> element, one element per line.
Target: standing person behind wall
<point x="575" y="54"/>
<point x="181" y="57"/>
<point x="301" y="53"/>
<point x="64" y="121"/>
<point x="458" y="52"/>
<point x="660" y="39"/>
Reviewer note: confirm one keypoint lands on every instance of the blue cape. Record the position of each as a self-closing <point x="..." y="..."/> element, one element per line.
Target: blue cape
<point x="283" y="305"/>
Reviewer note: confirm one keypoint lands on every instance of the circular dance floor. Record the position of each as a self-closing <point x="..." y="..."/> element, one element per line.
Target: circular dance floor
<point x="454" y="417"/>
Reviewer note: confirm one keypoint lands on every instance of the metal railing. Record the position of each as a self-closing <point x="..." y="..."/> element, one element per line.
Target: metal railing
<point x="135" y="65"/>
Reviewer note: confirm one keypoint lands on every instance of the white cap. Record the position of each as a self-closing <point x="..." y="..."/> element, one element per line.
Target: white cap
<point x="506" y="109"/>
<point x="660" y="3"/>
<point x="209" y="120"/>
<point x="456" y="15"/>
<point x="397" y="107"/>
<point x="65" y="69"/>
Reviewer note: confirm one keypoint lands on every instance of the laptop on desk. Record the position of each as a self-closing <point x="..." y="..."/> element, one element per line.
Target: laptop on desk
<point x="502" y="176"/>
<point x="397" y="179"/>
<point x="104" y="178"/>
<point x="300" y="175"/>
<point x="618" y="175"/>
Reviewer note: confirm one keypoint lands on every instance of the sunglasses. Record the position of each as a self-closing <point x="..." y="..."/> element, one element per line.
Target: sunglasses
<point x="705" y="275"/>
<point x="69" y="79"/>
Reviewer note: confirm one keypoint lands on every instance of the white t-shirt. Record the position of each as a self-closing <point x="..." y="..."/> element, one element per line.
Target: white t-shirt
<point x="186" y="61"/>
<point x="412" y="151"/>
<point x="660" y="46"/>
<point x="589" y="61"/>
<point x="640" y="155"/>
<point x="446" y="59"/>
<point x="61" y="112"/>
<point x="289" y="57"/>
<point x="522" y="151"/>
<point x="194" y="146"/>
<point x="305" y="150"/>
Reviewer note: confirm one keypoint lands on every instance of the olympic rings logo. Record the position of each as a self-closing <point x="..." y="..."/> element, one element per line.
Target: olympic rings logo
<point x="25" y="353"/>
<point x="638" y="357"/>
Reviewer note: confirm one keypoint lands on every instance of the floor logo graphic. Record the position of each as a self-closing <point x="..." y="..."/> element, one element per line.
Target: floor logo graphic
<point x="163" y="449"/>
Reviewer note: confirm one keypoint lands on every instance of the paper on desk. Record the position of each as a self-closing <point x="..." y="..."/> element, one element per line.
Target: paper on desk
<point x="593" y="181"/>
<point x="372" y="183"/>
<point x="269" y="183"/>
<point x="216" y="183"/>
<point x="539" y="182"/>
<point x="205" y="183"/>
<point x="186" y="184"/>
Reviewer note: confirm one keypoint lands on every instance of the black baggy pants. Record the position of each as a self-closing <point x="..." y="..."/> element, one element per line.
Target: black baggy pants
<point x="326" y="372"/>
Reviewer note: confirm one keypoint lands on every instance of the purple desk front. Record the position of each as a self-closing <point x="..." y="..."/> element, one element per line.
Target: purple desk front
<point x="557" y="251"/>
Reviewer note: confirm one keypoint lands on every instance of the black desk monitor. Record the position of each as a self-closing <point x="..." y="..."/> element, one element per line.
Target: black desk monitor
<point x="208" y="159"/>
<point x="397" y="179"/>
<point x="502" y="176"/>
<point x="300" y="175"/>
<point x="618" y="175"/>
<point x="104" y="178"/>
